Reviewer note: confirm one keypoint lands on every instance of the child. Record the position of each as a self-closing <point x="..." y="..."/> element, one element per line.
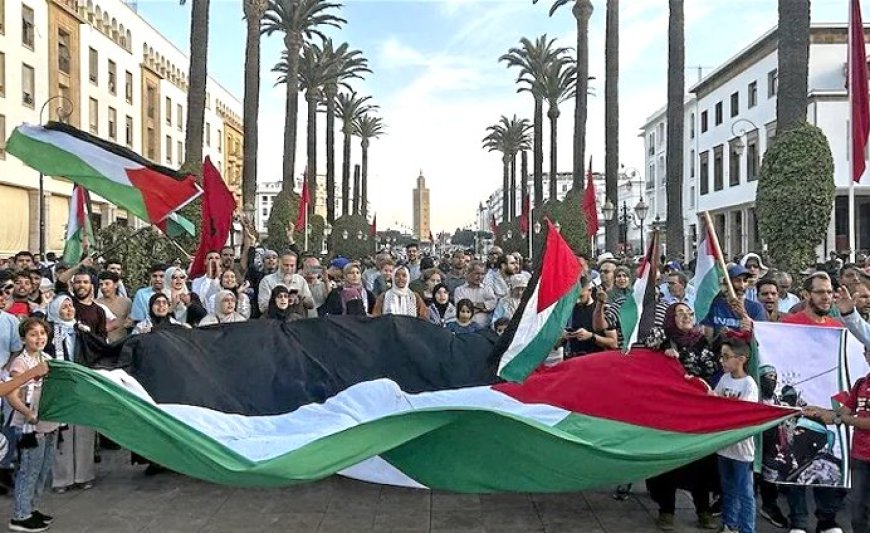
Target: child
<point x="735" y="461"/>
<point x="500" y="325"/>
<point x="38" y="438"/>
<point x="463" y="323"/>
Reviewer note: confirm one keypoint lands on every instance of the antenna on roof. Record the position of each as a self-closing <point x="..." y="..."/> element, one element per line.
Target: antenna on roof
<point x="700" y="69"/>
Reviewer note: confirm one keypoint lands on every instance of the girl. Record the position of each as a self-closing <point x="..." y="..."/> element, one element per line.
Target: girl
<point x="176" y="291"/>
<point x="279" y="306"/>
<point x="441" y="311"/>
<point x="74" y="463"/>
<point x="463" y="323"/>
<point x="352" y="298"/>
<point x="158" y="315"/>
<point x="36" y="447"/>
<point x="431" y="278"/>
<point x="226" y="311"/>
<point x="228" y="282"/>
<point x="399" y="299"/>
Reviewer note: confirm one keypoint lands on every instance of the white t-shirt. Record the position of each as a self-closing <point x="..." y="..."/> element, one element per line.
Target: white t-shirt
<point x="738" y="389"/>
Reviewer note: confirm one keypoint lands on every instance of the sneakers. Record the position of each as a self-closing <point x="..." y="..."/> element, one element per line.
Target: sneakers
<point x="665" y="521"/>
<point x="797" y="530"/>
<point x="726" y="529"/>
<point x="833" y="528"/>
<point x="773" y="515"/>
<point x="47" y="518"/>
<point x="28" y="525"/>
<point x="707" y="521"/>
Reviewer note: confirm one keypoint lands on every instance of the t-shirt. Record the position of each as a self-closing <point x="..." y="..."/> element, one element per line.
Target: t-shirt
<point x="19" y="309"/>
<point x="804" y="320"/>
<point x="581" y="317"/>
<point x="10" y="340"/>
<point x="859" y="403"/>
<point x="22" y="363"/>
<point x="721" y="315"/>
<point x="739" y="389"/>
<point x="93" y="316"/>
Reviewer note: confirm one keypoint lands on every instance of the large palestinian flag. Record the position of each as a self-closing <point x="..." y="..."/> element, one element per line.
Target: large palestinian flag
<point x="390" y="400"/>
<point x="119" y="175"/>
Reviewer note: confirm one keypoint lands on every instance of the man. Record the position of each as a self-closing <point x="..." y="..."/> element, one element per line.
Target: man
<point x="829" y="501"/>
<point x="491" y="262"/>
<point x="24" y="260"/>
<point x="209" y="283"/>
<point x="287" y="277"/>
<point x="140" y="301"/>
<point x="862" y="300"/>
<point x="481" y="296"/>
<point x="851" y="276"/>
<point x="373" y="269"/>
<point x="607" y="271"/>
<point x="581" y="335"/>
<point x="22" y="306"/>
<point x="114" y="266"/>
<point x="119" y="305"/>
<point x="384" y="280"/>
<point x="312" y="271"/>
<point x="228" y="261"/>
<point x="413" y="264"/>
<point x="768" y="297"/>
<point x="677" y="285"/>
<point x="88" y="312"/>
<point x="787" y="299"/>
<point x="506" y="266"/>
<point x="722" y="315"/>
<point x="456" y="276"/>
<point x="757" y="270"/>
<point x="35" y="282"/>
<point x="255" y="275"/>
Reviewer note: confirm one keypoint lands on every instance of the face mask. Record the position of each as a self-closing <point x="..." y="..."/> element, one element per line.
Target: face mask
<point x="768" y="386"/>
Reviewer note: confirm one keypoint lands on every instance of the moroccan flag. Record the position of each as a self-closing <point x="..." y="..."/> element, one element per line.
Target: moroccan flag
<point x="392" y="400"/>
<point x="218" y="206"/>
<point x="373" y="229"/>
<point x="860" y="108"/>
<point x="590" y="205"/>
<point x="708" y="273"/>
<point x="303" y="206"/>
<point x="176" y="225"/>
<point x="119" y="175"/>
<point x="637" y="314"/>
<point x="79" y="233"/>
<point x="544" y="309"/>
<point x="524" y="216"/>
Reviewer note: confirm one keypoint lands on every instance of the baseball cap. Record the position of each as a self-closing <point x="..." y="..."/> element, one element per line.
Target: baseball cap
<point x="736" y="271"/>
<point x="339" y="262"/>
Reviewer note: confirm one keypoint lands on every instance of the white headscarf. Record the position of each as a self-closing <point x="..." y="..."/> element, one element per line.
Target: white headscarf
<point x="167" y="285"/>
<point x="63" y="330"/>
<point x="400" y="301"/>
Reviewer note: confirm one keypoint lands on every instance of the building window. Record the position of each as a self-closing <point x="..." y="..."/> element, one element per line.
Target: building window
<point x="113" y="77"/>
<point x="652" y="143"/>
<point x="128" y="86"/>
<point x="150" y="144"/>
<point x="207" y="100"/>
<point x="168" y="150"/>
<point x="2" y="17"/>
<point x="129" y="133"/>
<point x="28" y="85"/>
<point x="692" y="197"/>
<point x="220" y="144"/>
<point x="691" y="163"/>
<point x="733" y="163"/>
<point x="735" y="104"/>
<point x="179" y="150"/>
<point x="93" y="66"/>
<point x="661" y="133"/>
<point x="94" y="116"/>
<point x="771" y="133"/>
<point x="692" y="126"/>
<point x="703" y="122"/>
<point x="718" y="171"/>
<point x="772" y="83"/>
<point x="179" y="117"/>
<point x="719" y="113"/>
<point x="2" y="72"/>
<point x="752" y="152"/>
<point x="753" y="94"/>
<point x="63" y="51"/>
<point x="168" y="111"/>
<point x="207" y="134"/>
<point x="662" y="173"/>
<point x="150" y="101"/>
<point x="2" y="136"/>
<point x="113" y="123"/>
<point x="705" y="173"/>
<point x="651" y="177"/>
<point x="27" y="33"/>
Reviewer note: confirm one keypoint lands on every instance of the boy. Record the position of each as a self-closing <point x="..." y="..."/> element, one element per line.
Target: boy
<point x="735" y="461"/>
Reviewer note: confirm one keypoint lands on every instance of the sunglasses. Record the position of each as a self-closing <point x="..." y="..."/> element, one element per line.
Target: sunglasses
<point x="8" y="287"/>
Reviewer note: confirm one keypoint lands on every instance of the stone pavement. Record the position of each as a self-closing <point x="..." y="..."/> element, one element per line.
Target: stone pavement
<point x="124" y="500"/>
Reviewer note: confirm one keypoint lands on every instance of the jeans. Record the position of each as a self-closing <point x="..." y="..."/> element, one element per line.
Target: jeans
<point x="34" y="472"/>
<point x="829" y="501"/>
<point x="860" y="496"/>
<point x="738" y="494"/>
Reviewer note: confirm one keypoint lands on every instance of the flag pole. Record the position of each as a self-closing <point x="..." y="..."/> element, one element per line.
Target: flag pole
<point x="721" y="260"/>
<point x="530" y="227"/>
<point x="851" y="219"/>
<point x="306" y="228"/>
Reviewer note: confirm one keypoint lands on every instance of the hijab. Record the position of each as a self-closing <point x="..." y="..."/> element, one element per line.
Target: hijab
<point x="167" y="285"/>
<point x="442" y="308"/>
<point x="273" y="311"/>
<point x="64" y="333"/>
<point x="218" y="305"/>
<point x="353" y="291"/>
<point x="158" y="321"/>
<point x="400" y="301"/>
<point x="683" y="339"/>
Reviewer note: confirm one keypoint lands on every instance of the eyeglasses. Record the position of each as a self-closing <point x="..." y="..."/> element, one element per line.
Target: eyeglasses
<point x="8" y="287"/>
<point x="179" y="277"/>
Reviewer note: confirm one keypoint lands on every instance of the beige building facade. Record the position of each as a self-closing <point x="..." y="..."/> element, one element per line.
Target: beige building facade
<point x="421" y="209"/>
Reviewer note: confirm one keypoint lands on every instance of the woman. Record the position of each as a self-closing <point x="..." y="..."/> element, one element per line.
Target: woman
<point x="228" y="282"/>
<point x="441" y="311"/>
<point x="352" y="298"/>
<point x="399" y="299"/>
<point x="682" y="340"/>
<point x="158" y="315"/>
<point x="509" y="304"/>
<point x="621" y="284"/>
<point x="175" y="289"/>
<point x="425" y="285"/>
<point x="226" y="309"/>
<point x="281" y="308"/>
<point x="74" y="458"/>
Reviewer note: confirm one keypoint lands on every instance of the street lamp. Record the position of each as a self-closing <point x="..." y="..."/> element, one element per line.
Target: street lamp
<point x="623" y="217"/>
<point x="344" y="234"/>
<point x="327" y="230"/>
<point x="64" y="110"/>
<point x="641" y="210"/>
<point x="738" y="129"/>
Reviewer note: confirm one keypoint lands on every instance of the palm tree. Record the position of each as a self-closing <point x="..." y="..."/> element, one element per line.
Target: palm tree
<point x="676" y="95"/>
<point x="510" y="137"/>
<point x="367" y="127"/>
<point x="349" y="107"/>
<point x="794" y="51"/>
<point x="197" y="73"/>
<point x="254" y="10"/>
<point x="558" y="85"/>
<point x="496" y="141"/>
<point x="532" y="59"/>
<point x="519" y="141"/>
<point x="347" y="64"/>
<point x="611" y="115"/>
<point x="582" y="11"/>
<point x="298" y="20"/>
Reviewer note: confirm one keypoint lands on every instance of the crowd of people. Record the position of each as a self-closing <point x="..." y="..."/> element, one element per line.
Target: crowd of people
<point x="44" y="305"/>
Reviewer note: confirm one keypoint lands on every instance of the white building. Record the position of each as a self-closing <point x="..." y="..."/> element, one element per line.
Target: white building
<point x="268" y="190"/>
<point x="110" y="73"/>
<point x="729" y="123"/>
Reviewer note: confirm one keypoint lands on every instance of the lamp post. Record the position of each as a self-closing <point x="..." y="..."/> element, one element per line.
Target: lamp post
<point x="63" y="113"/>
<point x="739" y="128"/>
<point x="327" y="230"/>
<point x="641" y="210"/>
<point x="608" y="210"/>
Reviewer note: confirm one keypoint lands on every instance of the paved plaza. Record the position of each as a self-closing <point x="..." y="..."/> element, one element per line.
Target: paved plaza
<point x="124" y="500"/>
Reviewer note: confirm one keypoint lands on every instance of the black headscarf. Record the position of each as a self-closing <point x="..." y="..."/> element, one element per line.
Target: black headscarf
<point x="442" y="308"/>
<point x="273" y="311"/>
<point x="157" y="321"/>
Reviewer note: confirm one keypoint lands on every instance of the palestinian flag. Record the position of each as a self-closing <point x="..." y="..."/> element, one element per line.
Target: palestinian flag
<point x="391" y="400"/>
<point x="119" y="175"/>
<point x="637" y="314"/>
<point x="544" y="310"/>
<point x="79" y="233"/>
<point x="708" y="272"/>
<point x="175" y="225"/>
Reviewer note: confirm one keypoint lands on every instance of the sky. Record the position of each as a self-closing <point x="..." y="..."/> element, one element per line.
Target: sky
<point x="438" y="83"/>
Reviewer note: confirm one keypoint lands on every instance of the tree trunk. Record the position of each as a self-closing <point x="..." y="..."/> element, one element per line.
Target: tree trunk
<point x="674" y="156"/>
<point x="364" y="186"/>
<point x="345" y="173"/>
<point x="553" y="115"/>
<point x="311" y="169"/>
<point x="254" y="10"/>
<point x="196" y="88"/>
<point x="524" y="175"/>
<point x="611" y="118"/>
<point x="513" y="187"/>
<point x="538" y="151"/>
<point x="356" y="185"/>
<point x="505" y="188"/>
<point x="293" y="43"/>
<point x="582" y="12"/>
<point x="794" y="54"/>
<point x="330" y="153"/>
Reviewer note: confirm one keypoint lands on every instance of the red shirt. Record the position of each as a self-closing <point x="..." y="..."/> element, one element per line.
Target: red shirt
<point x="19" y="309"/>
<point x="802" y="319"/>
<point x="859" y="404"/>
